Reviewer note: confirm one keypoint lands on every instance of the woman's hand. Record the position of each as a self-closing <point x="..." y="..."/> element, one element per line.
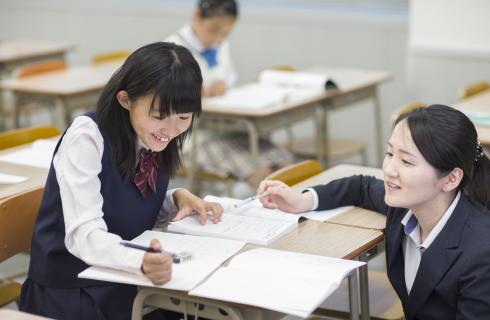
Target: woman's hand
<point x="282" y="197"/>
<point x="187" y="204"/>
<point x="157" y="266"/>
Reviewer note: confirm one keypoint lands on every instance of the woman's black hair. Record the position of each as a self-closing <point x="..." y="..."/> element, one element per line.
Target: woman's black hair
<point x="169" y="73"/>
<point x="217" y="8"/>
<point x="447" y="139"/>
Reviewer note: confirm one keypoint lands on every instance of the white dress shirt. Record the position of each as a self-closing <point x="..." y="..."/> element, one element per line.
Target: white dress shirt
<point x="223" y="71"/>
<point x="77" y="165"/>
<point x="412" y="248"/>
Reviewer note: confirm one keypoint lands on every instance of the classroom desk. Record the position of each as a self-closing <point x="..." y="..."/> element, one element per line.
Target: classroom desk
<point x="14" y="54"/>
<point x="312" y="237"/>
<point x="356" y="217"/>
<point x="8" y="314"/>
<point x="354" y="86"/>
<point x="71" y="87"/>
<point x="481" y="103"/>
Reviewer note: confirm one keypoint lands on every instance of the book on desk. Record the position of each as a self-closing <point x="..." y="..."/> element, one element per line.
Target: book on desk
<point x="251" y="223"/>
<point x="273" y="87"/>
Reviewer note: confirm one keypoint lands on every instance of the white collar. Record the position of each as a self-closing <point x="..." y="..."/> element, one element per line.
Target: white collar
<point x="414" y="233"/>
<point x="188" y="35"/>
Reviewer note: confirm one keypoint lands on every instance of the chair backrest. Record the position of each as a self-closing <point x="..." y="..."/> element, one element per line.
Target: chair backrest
<point x="473" y="89"/>
<point x="298" y="172"/>
<point x="41" y="67"/>
<point x="17" y="216"/>
<point x="16" y="137"/>
<point x="110" y="56"/>
<point x="405" y="109"/>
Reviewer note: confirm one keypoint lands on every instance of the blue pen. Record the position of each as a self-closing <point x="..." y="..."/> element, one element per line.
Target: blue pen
<point x="176" y="257"/>
<point x="248" y="200"/>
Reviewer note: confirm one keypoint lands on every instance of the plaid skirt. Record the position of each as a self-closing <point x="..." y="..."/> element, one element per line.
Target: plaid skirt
<point x="228" y="155"/>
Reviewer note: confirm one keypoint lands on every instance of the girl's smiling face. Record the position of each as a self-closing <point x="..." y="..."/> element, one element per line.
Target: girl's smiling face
<point x="152" y="130"/>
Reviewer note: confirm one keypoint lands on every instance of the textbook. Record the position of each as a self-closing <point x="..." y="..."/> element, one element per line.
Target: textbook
<point x="251" y="223"/>
<point x="207" y="255"/>
<point x="289" y="282"/>
<point x="272" y="88"/>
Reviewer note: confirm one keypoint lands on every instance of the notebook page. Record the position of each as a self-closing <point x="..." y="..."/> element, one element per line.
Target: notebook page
<point x="296" y="79"/>
<point x="207" y="255"/>
<point x="252" y="209"/>
<point x="39" y="154"/>
<point x="250" y="229"/>
<point x="288" y="282"/>
<point x="11" y="179"/>
<point x="325" y="215"/>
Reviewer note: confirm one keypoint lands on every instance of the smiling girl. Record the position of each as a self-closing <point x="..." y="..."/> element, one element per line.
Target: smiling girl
<point x="436" y="196"/>
<point x="108" y="182"/>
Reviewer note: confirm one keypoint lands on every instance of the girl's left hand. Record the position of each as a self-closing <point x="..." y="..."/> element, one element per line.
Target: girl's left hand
<point x="187" y="204"/>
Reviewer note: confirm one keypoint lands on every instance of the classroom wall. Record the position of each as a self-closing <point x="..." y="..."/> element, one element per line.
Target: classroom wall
<point x="263" y="37"/>
<point x="449" y="47"/>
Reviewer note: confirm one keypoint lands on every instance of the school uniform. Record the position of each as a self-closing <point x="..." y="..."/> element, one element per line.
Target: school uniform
<point x="86" y="210"/>
<point x="224" y="154"/>
<point x="445" y="277"/>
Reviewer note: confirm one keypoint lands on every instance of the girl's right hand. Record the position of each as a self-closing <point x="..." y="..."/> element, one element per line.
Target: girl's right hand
<point x="157" y="266"/>
<point x="282" y="197"/>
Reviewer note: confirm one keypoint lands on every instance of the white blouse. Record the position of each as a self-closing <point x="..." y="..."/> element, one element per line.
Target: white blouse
<point x="223" y="71"/>
<point x="77" y="165"/>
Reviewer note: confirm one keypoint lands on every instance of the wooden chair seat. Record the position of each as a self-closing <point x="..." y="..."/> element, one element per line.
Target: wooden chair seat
<point x="384" y="303"/>
<point x="298" y="172"/>
<point x="406" y="109"/>
<point x="473" y="89"/>
<point x="17" y="216"/>
<point x="17" y="137"/>
<point x="337" y="148"/>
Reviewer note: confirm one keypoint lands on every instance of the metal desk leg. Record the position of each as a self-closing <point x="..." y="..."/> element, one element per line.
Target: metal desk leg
<point x="61" y="113"/>
<point x="323" y="151"/>
<point x="353" y="295"/>
<point x="378" y="123"/>
<point x="364" y="288"/>
<point x="253" y="140"/>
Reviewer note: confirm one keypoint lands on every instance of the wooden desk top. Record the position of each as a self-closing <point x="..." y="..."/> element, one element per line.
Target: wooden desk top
<point x="329" y="240"/>
<point x="36" y="178"/>
<point x="11" y="51"/>
<point x="8" y="314"/>
<point x="480" y="103"/>
<point x="348" y="80"/>
<point x="69" y="82"/>
<point x="356" y="217"/>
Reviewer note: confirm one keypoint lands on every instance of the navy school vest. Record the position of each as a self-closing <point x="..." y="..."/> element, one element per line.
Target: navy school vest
<point x="126" y="214"/>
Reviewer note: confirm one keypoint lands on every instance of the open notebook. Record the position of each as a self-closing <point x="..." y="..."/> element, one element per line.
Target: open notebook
<point x="207" y="255"/>
<point x="288" y="282"/>
<point x="273" y="87"/>
<point x="251" y="223"/>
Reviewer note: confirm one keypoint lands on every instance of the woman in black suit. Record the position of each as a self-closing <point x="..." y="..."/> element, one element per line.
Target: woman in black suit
<point x="435" y="193"/>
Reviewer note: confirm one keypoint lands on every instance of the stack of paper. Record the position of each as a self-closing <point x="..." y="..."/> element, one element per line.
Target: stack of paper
<point x="39" y="154"/>
<point x="11" y="179"/>
<point x="207" y="255"/>
<point x="288" y="282"/>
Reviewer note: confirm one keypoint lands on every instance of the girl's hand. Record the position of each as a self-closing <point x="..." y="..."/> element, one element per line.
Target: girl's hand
<point x="282" y="197"/>
<point x="187" y="204"/>
<point x="157" y="266"/>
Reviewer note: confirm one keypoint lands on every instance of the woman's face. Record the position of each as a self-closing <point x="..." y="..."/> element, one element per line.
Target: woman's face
<point x="410" y="181"/>
<point x="212" y="31"/>
<point x="155" y="133"/>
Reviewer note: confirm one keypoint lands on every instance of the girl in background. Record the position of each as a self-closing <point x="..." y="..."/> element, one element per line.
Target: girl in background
<point x="225" y="154"/>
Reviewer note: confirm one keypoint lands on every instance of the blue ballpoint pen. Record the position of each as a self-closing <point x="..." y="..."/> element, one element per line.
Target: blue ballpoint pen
<point x="176" y="257"/>
<point x="248" y="200"/>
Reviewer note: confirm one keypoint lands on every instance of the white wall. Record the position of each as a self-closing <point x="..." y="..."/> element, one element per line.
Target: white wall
<point x="449" y="47"/>
<point x="263" y="37"/>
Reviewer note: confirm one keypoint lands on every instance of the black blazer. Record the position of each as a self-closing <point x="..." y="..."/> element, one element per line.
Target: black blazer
<point x="453" y="279"/>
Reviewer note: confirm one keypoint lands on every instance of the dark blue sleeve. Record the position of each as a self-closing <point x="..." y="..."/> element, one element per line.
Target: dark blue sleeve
<point x="361" y="191"/>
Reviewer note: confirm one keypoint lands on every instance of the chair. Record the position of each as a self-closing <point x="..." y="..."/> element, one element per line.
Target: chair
<point x="24" y="105"/>
<point x="473" y="89"/>
<point x="17" y="216"/>
<point x="406" y="109"/>
<point x="298" y="172"/>
<point x="110" y="56"/>
<point x="16" y="137"/>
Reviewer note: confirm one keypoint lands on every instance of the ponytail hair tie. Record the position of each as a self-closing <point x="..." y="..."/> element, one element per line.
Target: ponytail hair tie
<point x="479" y="151"/>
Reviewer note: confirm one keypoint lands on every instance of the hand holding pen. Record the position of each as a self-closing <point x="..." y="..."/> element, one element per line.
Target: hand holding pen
<point x="277" y="195"/>
<point x="157" y="265"/>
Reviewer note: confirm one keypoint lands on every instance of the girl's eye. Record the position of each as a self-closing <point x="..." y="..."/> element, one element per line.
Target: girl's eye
<point x="407" y="162"/>
<point x="388" y="154"/>
<point x="185" y="118"/>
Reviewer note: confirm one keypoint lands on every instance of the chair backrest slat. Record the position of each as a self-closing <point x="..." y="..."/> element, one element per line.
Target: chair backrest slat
<point x="298" y="172"/>
<point x="16" y="137"/>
